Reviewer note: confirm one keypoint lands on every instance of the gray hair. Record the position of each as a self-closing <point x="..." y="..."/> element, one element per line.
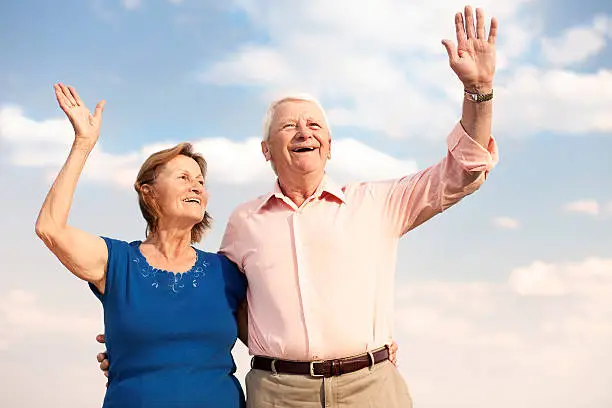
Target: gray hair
<point x="292" y="97"/>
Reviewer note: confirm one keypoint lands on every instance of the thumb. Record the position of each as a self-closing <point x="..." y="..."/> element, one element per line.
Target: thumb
<point x="451" y="50"/>
<point x="99" y="109"/>
<point x="100" y="338"/>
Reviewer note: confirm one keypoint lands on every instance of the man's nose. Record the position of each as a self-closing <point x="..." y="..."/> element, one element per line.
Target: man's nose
<point x="303" y="131"/>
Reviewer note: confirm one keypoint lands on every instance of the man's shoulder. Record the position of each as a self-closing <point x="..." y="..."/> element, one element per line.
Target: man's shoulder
<point x="247" y="207"/>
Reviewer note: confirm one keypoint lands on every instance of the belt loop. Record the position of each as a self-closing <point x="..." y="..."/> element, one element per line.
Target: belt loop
<point x="273" y="367"/>
<point x="371" y="358"/>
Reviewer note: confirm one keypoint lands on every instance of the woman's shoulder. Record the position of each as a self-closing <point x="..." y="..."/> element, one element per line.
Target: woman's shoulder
<point x="217" y="260"/>
<point x="120" y="243"/>
<point x="211" y="258"/>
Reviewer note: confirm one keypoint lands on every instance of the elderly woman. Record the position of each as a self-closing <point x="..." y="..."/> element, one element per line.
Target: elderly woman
<point x="169" y="309"/>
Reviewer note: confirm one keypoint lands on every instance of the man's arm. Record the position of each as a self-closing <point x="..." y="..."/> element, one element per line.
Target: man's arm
<point x="471" y="149"/>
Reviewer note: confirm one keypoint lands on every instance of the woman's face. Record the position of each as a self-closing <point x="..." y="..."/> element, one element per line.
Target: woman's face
<point x="179" y="192"/>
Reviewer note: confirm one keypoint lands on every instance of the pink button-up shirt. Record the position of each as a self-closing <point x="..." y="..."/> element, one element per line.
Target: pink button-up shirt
<point x="321" y="276"/>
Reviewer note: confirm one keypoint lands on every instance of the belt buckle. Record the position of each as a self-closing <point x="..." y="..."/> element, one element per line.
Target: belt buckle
<point x="312" y="373"/>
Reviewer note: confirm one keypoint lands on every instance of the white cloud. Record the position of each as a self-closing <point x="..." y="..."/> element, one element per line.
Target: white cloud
<point x="578" y="43"/>
<point x="45" y="144"/>
<point x="538" y="278"/>
<point x="589" y="277"/>
<point x="131" y="4"/>
<point x="383" y="69"/>
<point x="589" y="207"/>
<point x="480" y="342"/>
<point x="21" y="315"/>
<point x="134" y="4"/>
<point x="537" y="100"/>
<point x="506" y="223"/>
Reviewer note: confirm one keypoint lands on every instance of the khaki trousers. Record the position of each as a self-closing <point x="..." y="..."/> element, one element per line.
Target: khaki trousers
<point x="378" y="387"/>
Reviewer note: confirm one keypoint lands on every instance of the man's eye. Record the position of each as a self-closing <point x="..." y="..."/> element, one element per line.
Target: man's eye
<point x="288" y="125"/>
<point x="315" y="125"/>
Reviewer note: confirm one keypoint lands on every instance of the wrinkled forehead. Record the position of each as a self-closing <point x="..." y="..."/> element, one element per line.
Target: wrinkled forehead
<point x="297" y="109"/>
<point x="182" y="163"/>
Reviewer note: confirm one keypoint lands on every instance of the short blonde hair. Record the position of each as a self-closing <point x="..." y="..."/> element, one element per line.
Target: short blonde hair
<point x="147" y="175"/>
<point x="267" y="122"/>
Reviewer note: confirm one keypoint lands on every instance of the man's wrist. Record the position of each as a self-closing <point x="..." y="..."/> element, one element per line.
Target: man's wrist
<point x="479" y="88"/>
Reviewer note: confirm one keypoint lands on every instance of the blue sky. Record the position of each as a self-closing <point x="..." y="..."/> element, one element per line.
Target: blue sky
<point x="506" y="292"/>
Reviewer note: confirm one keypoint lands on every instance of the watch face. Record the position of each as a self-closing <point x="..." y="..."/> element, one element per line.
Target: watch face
<point x="479" y="98"/>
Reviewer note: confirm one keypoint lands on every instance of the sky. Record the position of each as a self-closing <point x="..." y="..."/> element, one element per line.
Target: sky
<point x="501" y="301"/>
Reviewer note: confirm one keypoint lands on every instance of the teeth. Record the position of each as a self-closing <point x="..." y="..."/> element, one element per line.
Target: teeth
<point x="192" y="200"/>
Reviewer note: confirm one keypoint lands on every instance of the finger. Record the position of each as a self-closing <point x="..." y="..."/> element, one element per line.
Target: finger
<point x="99" y="110"/>
<point x="75" y="95"/>
<point x="106" y="374"/>
<point x="101" y="357"/>
<point x="63" y="102"/>
<point x="100" y="338"/>
<point x="104" y="365"/>
<point x="469" y="23"/>
<point x="451" y="50"/>
<point x="480" y="26"/>
<point x="68" y="95"/>
<point x="493" y="31"/>
<point x="459" y="28"/>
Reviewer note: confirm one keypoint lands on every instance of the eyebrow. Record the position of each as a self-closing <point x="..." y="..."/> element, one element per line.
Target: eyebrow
<point x="187" y="171"/>
<point x="309" y="119"/>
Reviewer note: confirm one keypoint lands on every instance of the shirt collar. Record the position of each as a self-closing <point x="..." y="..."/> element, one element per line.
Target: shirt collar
<point x="327" y="186"/>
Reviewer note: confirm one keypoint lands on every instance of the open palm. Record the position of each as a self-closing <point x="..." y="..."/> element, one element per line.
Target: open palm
<point x="86" y="126"/>
<point x="473" y="58"/>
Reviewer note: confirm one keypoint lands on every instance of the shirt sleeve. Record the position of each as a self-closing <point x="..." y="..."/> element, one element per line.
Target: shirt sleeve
<point x="229" y="243"/>
<point x="235" y="282"/>
<point x="117" y="262"/>
<point x="412" y="200"/>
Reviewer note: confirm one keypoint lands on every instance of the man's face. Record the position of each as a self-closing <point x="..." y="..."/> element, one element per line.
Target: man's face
<point x="299" y="141"/>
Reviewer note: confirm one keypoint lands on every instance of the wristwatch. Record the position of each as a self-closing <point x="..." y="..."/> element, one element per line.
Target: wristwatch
<point x="476" y="97"/>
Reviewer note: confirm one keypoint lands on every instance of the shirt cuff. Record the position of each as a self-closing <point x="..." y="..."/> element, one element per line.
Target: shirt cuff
<point x="469" y="153"/>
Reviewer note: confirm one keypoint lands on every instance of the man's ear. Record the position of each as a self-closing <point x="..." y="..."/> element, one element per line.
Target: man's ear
<point x="265" y="150"/>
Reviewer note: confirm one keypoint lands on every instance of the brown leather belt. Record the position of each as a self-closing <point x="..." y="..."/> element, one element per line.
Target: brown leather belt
<point x="325" y="368"/>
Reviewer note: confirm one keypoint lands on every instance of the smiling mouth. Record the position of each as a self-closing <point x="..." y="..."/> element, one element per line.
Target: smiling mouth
<point x="304" y="149"/>
<point x="192" y="200"/>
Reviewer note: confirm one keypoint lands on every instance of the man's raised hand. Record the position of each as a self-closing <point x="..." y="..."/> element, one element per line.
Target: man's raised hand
<point x="473" y="57"/>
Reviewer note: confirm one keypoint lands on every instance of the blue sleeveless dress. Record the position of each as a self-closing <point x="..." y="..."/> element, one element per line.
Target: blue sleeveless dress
<point x="169" y="336"/>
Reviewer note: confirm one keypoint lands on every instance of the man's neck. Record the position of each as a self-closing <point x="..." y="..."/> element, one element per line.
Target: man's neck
<point x="300" y="189"/>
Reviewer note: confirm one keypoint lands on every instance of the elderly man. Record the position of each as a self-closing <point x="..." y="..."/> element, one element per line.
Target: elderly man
<point x="320" y="258"/>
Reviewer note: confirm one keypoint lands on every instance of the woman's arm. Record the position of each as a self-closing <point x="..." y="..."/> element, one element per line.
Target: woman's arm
<point x="84" y="254"/>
